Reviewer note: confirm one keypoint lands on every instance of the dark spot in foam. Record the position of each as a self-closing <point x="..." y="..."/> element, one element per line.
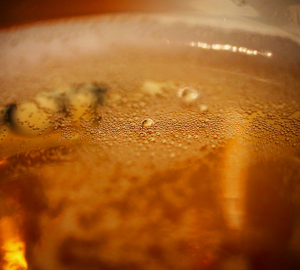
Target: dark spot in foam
<point x="9" y="115"/>
<point x="100" y="91"/>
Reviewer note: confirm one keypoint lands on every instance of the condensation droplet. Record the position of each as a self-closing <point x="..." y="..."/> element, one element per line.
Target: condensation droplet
<point x="147" y="123"/>
<point x="188" y="94"/>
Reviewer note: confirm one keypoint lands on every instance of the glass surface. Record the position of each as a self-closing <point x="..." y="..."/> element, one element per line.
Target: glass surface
<point x="150" y="141"/>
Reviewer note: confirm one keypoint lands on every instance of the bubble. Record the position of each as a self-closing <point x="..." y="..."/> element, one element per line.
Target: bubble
<point x="147" y="123"/>
<point x="152" y="87"/>
<point x="29" y="113"/>
<point x="203" y="108"/>
<point x="50" y="101"/>
<point x="188" y="94"/>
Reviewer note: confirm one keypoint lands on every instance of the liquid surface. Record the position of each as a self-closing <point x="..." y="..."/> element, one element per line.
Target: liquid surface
<point x="171" y="158"/>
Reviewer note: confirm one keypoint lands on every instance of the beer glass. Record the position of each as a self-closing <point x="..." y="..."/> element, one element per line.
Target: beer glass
<point x="150" y="135"/>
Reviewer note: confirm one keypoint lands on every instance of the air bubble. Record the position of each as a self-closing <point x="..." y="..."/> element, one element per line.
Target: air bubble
<point x="203" y="108"/>
<point x="147" y="123"/>
<point x="188" y="94"/>
<point x="152" y="87"/>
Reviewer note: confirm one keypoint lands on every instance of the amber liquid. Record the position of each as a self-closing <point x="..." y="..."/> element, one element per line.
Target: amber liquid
<point x="189" y="161"/>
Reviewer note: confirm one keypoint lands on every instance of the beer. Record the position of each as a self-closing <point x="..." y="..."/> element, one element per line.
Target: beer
<point x="175" y="152"/>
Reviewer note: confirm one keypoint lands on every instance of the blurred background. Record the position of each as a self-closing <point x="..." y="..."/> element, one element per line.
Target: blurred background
<point x="14" y="12"/>
<point x="278" y="12"/>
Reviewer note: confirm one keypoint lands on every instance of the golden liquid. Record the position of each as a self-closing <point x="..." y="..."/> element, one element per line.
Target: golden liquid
<point x="209" y="181"/>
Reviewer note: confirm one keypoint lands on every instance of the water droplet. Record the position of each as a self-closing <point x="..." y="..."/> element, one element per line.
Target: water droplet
<point x="147" y="123"/>
<point x="188" y="94"/>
